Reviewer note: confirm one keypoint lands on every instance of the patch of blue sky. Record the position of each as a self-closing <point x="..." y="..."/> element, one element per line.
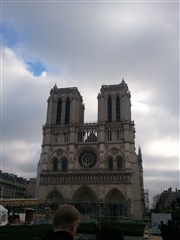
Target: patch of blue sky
<point x="11" y="39"/>
<point x="35" y="67"/>
<point x="9" y="36"/>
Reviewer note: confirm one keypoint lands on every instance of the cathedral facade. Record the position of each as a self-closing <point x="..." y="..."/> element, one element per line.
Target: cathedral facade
<point x="92" y="165"/>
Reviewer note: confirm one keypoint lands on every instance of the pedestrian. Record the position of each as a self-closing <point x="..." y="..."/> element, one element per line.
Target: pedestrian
<point x="164" y="230"/>
<point x="65" y="223"/>
<point x="172" y="231"/>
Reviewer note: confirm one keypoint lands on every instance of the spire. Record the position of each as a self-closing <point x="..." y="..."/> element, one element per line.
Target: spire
<point x="139" y="154"/>
<point x="123" y="82"/>
<point x="55" y="87"/>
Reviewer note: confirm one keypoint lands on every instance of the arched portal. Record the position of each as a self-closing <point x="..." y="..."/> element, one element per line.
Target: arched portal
<point x="55" y="197"/>
<point x="85" y="200"/>
<point x="84" y="195"/>
<point x="116" y="203"/>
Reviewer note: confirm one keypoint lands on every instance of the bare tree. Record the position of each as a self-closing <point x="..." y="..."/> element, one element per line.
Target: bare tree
<point x="155" y="201"/>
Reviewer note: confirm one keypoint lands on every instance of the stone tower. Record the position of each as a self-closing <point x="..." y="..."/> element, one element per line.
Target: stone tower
<point x="92" y="165"/>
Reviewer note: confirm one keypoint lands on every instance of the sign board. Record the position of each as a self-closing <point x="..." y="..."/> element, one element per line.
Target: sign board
<point x="156" y="219"/>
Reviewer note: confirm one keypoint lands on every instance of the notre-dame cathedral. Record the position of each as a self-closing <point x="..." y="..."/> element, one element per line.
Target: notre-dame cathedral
<point x="92" y="165"/>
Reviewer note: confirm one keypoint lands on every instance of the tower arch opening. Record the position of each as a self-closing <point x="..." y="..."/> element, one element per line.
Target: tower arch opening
<point x="109" y="109"/>
<point x="67" y="111"/>
<point x="58" y="112"/>
<point x="118" y="110"/>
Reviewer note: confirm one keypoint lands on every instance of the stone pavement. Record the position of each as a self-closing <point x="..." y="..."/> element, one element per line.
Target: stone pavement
<point x="151" y="237"/>
<point x="155" y="237"/>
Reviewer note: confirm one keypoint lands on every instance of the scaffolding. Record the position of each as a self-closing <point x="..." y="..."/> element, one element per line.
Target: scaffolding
<point x="146" y="200"/>
<point x="44" y="211"/>
<point x="103" y="211"/>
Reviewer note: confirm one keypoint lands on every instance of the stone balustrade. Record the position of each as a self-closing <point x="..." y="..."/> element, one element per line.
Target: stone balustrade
<point x="85" y="178"/>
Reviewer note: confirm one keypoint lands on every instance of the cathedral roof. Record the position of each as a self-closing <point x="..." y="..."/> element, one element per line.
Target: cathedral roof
<point x="116" y="87"/>
<point x="69" y="90"/>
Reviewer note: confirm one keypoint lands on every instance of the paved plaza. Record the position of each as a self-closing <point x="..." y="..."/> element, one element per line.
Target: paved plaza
<point x="151" y="237"/>
<point x="154" y="237"/>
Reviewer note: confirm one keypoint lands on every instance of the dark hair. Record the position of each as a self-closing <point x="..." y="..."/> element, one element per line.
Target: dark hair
<point x="65" y="215"/>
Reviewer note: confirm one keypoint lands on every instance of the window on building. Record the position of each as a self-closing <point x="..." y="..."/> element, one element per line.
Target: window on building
<point x="118" y="109"/>
<point x="81" y="135"/>
<point x="119" y="164"/>
<point x="110" y="164"/>
<point x="109" y="135"/>
<point x="55" y="164"/>
<point x="58" y="113"/>
<point x="118" y="134"/>
<point x="67" y="111"/>
<point x="66" y="136"/>
<point x="109" y="109"/>
<point x="56" y="137"/>
<point x="64" y="165"/>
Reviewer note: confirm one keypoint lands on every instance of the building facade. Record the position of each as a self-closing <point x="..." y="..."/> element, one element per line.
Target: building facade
<point x="169" y="200"/>
<point x="12" y="186"/>
<point x="92" y="165"/>
<point x="30" y="189"/>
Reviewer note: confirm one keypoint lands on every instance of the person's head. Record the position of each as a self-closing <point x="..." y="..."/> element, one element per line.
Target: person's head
<point x="66" y="218"/>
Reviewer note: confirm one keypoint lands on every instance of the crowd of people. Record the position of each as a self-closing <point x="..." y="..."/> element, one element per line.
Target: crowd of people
<point x="66" y="222"/>
<point x="169" y="231"/>
<point x="67" y="218"/>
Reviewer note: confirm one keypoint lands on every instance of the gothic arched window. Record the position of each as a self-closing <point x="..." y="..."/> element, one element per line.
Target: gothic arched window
<point x="64" y="165"/>
<point x="119" y="164"/>
<point x="67" y="111"/>
<point x="58" y="113"/>
<point x="118" y="134"/>
<point x="109" y="109"/>
<point x="118" y="116"/>
<point x="110" y="164"/>
<point x="55" y="164"/>
<point x="109" y="134"/>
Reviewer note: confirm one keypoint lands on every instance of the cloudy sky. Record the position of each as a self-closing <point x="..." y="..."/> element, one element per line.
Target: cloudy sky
<point x="86" y="44"/>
